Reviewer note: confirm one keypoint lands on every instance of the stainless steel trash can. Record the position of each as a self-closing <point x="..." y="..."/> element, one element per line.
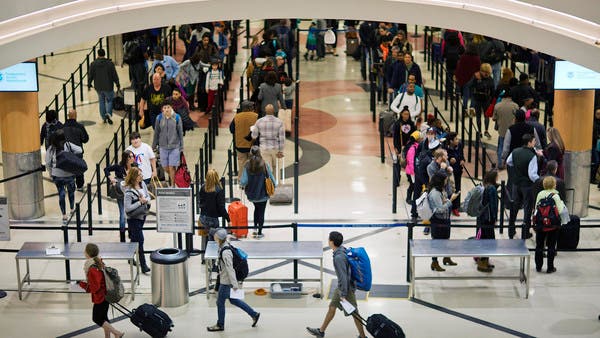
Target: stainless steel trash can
<point x="170" y="286"/>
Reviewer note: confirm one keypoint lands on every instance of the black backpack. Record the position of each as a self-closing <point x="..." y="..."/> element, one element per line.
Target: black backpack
<point x="546" y="216"/>
<point x="240" y="262"/>
<point x="423" y="160"/>
<point x="51" y="128"/>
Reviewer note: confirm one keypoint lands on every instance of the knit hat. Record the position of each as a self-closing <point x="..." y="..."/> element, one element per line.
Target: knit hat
<point x="221" y="234"/>
<point x="415" y="135"/>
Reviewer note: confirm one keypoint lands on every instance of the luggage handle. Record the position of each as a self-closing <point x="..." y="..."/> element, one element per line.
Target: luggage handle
<point x="280" y="174"/>
<point x="360" y="318"/>
<point x="122" y="309"/>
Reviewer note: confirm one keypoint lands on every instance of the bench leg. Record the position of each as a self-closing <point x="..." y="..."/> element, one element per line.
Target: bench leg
<point x="412" y="276"/>
<point x="527" y="277"/>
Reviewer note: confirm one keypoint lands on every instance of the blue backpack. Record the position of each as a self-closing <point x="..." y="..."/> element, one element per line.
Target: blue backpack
<point x="360" y="268"/>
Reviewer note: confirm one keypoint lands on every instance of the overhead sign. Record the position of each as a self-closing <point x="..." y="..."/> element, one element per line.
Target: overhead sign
<point x="174" y="210"/>
<point x="4" y="223"/>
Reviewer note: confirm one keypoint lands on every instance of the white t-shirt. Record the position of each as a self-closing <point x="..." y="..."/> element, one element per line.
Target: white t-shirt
<point x="412" y="101"/>
<point x="143" y="155"/>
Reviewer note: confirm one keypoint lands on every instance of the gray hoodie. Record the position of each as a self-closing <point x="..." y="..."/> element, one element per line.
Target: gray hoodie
<point x="342" y="271"/>
<point x="168" y="132"/>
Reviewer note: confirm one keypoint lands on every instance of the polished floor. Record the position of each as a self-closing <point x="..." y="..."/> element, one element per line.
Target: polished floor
<point x="349" y="191"/>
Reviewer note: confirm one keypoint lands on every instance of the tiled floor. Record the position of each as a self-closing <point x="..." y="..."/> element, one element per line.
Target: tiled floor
<point x="352" y="187"/>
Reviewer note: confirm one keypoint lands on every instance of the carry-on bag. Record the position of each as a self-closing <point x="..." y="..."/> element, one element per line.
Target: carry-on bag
<point x="238" y="216"/>
<point x="380" y="326"/>
<point x="568" y="234"/>
<point x="148" y="318"/>
<point x="389" y="118"/>
<point x="284" y="193"/>
<point x="351" y="46"/>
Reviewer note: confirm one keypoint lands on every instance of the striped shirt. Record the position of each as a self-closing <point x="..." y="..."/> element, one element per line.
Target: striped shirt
<point x="271" y="132"/>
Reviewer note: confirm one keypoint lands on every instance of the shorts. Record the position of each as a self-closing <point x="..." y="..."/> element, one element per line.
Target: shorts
<point x="336" y="300"/>
<point x="169" y="157"/>
<point x="100" y="313"/>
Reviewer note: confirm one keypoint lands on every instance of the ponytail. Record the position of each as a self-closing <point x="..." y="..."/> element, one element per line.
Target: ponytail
<point x="98" y="262"/>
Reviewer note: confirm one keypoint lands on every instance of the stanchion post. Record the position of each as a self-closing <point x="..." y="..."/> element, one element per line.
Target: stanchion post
<point x="483" y="160"/>
<point x="381" y="140"/>
<point x="372" y="89"/>
<point x="410" y="226"/>
<point x="295" y="235"/>
<point x="502" y="199"/>
<point x="197" y="184"/>
<point x="64" y="91"/>
<point x="89" y="209"/>
<point x="115" y="147"/>
<point x="107" y="155"/>
<point x="122" y="133"/>
<point x="65" y="231"/>
<point x="78" y="220"/>
<point x="470" y="138"/>
<point x="73" y="96"/>
<point x="477" y="142"/>
<point x="235" y="163"/>
<point x="425" y="98"/>
<point x="80" y="70"/>
<point x="99" y="188"/>
<point x="395" y="183"/>
<point x="296" y="173"/>
<point x="230" y="173"/>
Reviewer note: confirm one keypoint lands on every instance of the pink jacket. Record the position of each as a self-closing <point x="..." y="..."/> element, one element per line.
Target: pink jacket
<point x="410" y="159"/>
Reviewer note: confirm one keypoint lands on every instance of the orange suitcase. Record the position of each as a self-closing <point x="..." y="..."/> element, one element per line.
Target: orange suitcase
<point x="238" y="215"/>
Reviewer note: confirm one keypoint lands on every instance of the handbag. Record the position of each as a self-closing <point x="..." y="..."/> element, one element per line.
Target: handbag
<point x="155" y="183"/>
<point x="269" y="186"/>
<point x="202" y="231"/>
<point x="183" y="179"/>
<point x="70" y="162"/>
<point x="115" y="191"/>
<point x="489" y="112"/>
<point x="141" y="210"/>
<point x="142" y="121"/>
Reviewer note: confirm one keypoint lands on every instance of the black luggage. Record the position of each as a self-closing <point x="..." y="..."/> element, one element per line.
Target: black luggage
<point x="389" y="118"/>
<point x="568" y="234"/>
<point x="380" y="326"/>
<point x="149" y="319"/>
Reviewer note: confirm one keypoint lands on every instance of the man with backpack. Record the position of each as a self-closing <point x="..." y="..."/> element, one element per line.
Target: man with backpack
<point x="168" y="137"/>
<point x="49" y="127"/>
<point x="231" y="265"/>
<point x="345" y="291"/>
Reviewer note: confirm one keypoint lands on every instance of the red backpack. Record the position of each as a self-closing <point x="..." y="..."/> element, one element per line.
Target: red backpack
<point x="546" y="216"/>
<point x="183" y="179"/>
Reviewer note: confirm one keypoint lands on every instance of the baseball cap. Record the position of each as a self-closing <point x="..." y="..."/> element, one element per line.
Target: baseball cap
<point x="434" y="144"/>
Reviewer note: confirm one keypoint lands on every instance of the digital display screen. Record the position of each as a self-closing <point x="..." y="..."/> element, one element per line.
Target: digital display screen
<point x="568" y="75"/>
<point x="21" y="77"/>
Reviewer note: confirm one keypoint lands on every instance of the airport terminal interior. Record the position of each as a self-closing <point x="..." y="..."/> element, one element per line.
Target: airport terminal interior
<point x="343" y="185"/>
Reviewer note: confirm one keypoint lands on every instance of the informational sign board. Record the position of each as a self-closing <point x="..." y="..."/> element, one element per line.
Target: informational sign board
<point x="174" y="211"/>
<point x="4" y="223"/>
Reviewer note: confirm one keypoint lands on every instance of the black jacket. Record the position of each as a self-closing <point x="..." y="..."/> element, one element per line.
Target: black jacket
<point x="103" y="74"/>
<point x="75" y="132"/>
<point x="212" y="204"/>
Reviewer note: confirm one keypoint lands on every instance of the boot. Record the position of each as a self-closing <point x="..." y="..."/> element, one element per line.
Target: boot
<point x="448" y="261"/>
<point x="482" y="265"/>
<point x="435" y="266"/>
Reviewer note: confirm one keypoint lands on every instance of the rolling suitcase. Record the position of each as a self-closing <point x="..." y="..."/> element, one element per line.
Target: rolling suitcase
<point x="568" y="234"/>
<point x="148" y="318"/>
<point x="351" y="46"/>
<point x="284" y="193"/>
<point x="379" y="326"/>
<point x="238" y="215"/>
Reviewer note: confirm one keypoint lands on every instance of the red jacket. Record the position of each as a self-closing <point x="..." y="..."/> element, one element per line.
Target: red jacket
<point x="95" y="285"/>
<point x="466" y="67"/>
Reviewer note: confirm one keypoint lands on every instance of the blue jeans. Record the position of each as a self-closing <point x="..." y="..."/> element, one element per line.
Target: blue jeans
<point x="121" y="204"/>
<point x="224" y="291"/>
<point x="105" y="102"/>
<point x="500" y="149"/>
<point x="136" y="234"/>
<point x="466" y="95"/>
<point x="62" y="183"/>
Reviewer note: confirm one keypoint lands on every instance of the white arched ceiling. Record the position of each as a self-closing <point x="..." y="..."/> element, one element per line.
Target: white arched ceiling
<point x="565" y="36"/>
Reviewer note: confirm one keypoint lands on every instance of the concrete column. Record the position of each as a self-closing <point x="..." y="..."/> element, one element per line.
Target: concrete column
<point x="19" y="130"/>
<point x="573" y="117"/>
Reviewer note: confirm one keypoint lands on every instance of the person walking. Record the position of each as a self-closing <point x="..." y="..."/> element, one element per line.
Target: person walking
<point x="270" y="131"/>
<point x="345" y="290"/>
<point x="75" y="133"/>
<point x="488" y="217"/>
<point x="103" y="75"/>
<point x="548" y="235"/>
<point x="253" y="182"/>
<point x="51" y="125"/>
<point x="240" y="128"/>
<point x="95" y="284"/>
<point x="270" y="93"/>
<point x="143" y="155"/>
<point x="121" y="169"/>
<point x="64" y="180"/>
<point x="214" y="81"/>
<point x="228" y="281"/>
<point x="440" y="221"/>
<point x="137" y="198"/>
<point x="523" y="172"/>
<point x="504" y="113"/>
<point x="212" y="204"/>
<point x="168" y="138"/>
